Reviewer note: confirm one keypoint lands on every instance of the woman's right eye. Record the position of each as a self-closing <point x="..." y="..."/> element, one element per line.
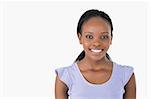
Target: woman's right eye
<point x="89" y="36"/>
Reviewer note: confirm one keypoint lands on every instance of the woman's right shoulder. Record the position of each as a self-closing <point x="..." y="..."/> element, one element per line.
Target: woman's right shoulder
<point x="64" y="68"/>
<point x="64" y="74"/>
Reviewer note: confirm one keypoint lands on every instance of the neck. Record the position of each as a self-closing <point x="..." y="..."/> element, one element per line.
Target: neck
<point x="92" y="64"/>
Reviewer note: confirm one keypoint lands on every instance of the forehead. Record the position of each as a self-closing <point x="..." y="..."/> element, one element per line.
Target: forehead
<point x="96" y="24"/>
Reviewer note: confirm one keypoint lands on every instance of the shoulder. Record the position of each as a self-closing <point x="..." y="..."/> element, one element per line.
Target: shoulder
<point x="125" y="72"/>
<point x="123" y="67"/>
<point x="64" y="74"/>
<point x="64" y="68"/>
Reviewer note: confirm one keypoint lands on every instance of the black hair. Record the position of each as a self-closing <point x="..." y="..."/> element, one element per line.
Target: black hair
<point x="85" y="17"/>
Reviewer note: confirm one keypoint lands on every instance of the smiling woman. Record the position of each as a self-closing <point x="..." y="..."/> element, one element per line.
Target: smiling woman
<point x="94" y="75"/>
<point x="96" y="37"/>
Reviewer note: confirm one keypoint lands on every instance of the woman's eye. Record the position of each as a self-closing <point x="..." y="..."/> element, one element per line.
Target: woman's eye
<point x="104" y="37"/>
<point x="89" y="36"/>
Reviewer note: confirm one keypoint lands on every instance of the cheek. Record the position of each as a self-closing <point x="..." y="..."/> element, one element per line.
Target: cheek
<point x="86" y="44"/>
<point x="106" y="45"/>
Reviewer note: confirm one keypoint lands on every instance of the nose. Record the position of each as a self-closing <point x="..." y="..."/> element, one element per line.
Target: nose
<point x="96" y="42"/>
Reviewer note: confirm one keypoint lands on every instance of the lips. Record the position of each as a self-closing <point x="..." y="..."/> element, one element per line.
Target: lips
<point x="96" y="50"/>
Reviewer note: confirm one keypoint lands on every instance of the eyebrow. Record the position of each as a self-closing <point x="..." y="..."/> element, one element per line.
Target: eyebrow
<point x="93" y="32"/>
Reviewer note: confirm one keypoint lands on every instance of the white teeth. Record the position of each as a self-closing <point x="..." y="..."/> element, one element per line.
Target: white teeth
<point x="96" y="51"/>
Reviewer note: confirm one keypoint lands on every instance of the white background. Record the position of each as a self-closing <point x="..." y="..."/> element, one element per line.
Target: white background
<point x="38" y="37"/>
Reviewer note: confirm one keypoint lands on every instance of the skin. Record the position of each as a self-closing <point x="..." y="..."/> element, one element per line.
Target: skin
<point x="95" y="67"/>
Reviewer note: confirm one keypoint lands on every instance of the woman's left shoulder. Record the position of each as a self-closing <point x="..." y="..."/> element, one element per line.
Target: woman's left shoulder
<point x="124" y="67"/>
<point x="126" y="70"/>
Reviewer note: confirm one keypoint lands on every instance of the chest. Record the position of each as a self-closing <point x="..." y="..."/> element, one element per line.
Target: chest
<point x="96" y="77"/>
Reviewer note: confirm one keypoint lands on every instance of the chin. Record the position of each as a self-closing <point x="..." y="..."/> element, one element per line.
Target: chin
<point x="96" y="58"/>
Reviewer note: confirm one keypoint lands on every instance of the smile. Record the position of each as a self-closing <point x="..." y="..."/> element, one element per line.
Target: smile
<point x="96" y="51"/>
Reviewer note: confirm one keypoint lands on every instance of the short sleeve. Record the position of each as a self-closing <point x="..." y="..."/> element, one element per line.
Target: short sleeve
<point x="63" y="74"/>
<point x="128" y="71"/>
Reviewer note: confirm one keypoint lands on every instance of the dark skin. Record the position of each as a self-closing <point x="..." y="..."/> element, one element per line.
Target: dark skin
<point x="60" y="89"/>
<point x="95" y="67"/>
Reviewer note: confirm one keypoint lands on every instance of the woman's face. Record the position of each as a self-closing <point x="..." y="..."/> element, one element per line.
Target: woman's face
<point x="95" y="38"/>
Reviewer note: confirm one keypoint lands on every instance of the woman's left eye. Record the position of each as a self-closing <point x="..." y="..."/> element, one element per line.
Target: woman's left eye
<point x="104" y="37"/>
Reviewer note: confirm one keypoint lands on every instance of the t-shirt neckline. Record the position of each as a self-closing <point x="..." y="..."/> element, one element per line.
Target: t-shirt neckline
<point x="91" y="84"/>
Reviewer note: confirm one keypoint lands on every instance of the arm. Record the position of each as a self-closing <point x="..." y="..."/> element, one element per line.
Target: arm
<point x="60" y="89"/>
<point x="130" y="89"/>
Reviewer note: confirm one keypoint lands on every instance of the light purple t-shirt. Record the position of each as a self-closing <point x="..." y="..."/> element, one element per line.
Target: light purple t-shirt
<point x="80" y="88"/>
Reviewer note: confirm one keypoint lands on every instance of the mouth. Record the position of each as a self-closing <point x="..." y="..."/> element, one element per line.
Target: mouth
<point x="96" y="51"/>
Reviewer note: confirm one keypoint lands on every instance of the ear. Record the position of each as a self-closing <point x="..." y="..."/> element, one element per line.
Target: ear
<point x="111" y="41"/>
<point x="79" y="37"/>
